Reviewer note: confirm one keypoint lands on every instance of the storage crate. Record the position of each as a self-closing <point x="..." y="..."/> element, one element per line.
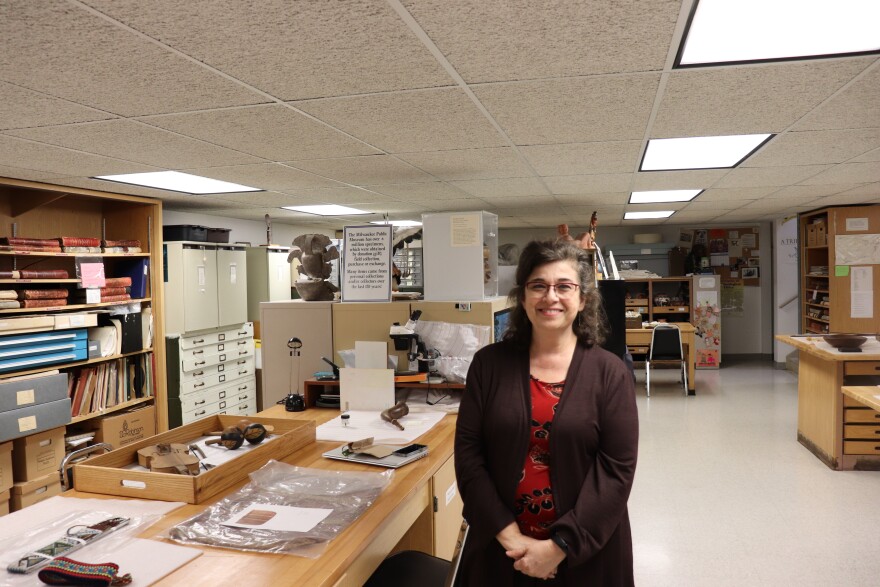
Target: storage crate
<point x="218" y="235"/>
<point x="106" y="473"/>
<point x="185" y="232"/>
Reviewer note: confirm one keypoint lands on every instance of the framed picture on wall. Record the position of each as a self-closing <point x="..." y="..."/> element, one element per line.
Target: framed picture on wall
<point x="749" y="273"/>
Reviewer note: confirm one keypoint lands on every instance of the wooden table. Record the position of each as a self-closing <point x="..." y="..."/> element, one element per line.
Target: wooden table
<point x="640" y="338"/>
<point x="825" y="421"/>
<point x="402" y="517"/>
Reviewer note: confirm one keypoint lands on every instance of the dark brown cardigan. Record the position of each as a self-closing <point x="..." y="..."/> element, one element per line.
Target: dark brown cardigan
<point x="593" y="448"/>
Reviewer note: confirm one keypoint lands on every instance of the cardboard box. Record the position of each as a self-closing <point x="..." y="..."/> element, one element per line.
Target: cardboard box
<point x="821" y="239"/>
<point x="30" y="390"/>
<point x="5" y="466"/>
<point x="38" y="455"/>
<point x="30" y="492"/>
<point x="124" y="428"/>
<point x="25" y="324"/>
<point x="34" y="419"/>
<point x="75" y="320"/>
<point x="4" y="502"/>
<point x="108" y="473"/>
<point x="811" y="235"/>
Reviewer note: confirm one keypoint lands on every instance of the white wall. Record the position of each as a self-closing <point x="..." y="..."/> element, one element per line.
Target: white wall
<point x="751" y="333"/>
<point x="247" y="231"/>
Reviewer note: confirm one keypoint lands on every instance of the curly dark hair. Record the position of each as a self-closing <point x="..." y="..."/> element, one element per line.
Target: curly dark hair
<point x="589" y="325"/>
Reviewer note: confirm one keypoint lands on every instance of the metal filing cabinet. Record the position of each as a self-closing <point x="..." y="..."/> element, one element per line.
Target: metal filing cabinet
<point x="232" y="281"/>
<point x="211" y="372"/>
<point x="268" y="279"/>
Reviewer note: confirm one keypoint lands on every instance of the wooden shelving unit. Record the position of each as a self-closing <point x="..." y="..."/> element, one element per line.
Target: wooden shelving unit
<point x="829" y="267"/>
<point x="36" y="210"/>
<point x="664" y="298"/>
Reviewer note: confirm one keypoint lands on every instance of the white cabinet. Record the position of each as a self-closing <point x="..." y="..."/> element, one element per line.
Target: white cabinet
<point x="460" y="256"/>
<point x="205" y="284"/>
<point x="268" y="278"/>
<point x="211" y="373"/>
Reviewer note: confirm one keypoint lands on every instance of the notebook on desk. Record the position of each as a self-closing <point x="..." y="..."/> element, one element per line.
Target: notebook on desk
<point x="399" y="458"/>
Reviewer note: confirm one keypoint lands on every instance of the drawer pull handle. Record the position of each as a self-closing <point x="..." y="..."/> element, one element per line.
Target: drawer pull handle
<point x="244" y="407"/>
<point x="244" y="352"/>
<point x="242" y="387"/>
<point x="197" y="373"/>
<point x="199" y="341"/>
<point x="202" y="413"/>
<point x="242" y="397"/>
<point x="243" y="372"/>
<point x="243" y="332"/>
<point x="242" y="342"/>
<point x="202" y="384"/>
<point x="200" y="403"/>
<point x="200" y="362"/>
<point x="199" y="352"/>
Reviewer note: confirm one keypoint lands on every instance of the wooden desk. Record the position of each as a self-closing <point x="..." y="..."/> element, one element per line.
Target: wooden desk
<point x="403" y="512"/>
<point x="640" y="338"/>
<point x="312" y="388"/>
<point x="827" y="423"/>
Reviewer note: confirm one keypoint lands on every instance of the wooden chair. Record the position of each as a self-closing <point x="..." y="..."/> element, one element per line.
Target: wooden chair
<point x="411" y="568"/>
<point x="666" y="349"/>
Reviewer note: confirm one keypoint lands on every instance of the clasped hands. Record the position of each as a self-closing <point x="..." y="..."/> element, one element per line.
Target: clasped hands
<point x="532" y="557"/>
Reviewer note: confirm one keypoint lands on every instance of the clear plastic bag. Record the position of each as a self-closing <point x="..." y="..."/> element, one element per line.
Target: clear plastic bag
<point x="347" y="494"/>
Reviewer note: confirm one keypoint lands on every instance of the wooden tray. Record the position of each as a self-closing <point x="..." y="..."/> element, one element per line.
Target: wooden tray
<point x="104" y="474"/>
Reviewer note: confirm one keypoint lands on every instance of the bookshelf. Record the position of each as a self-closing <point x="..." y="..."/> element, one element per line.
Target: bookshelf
<point x="42" y="211"/>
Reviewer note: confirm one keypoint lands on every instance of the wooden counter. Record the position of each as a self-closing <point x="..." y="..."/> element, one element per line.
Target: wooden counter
<point x="640" y="338"/>
<point x="403" y="513"/>
<point x="827" y="424"/>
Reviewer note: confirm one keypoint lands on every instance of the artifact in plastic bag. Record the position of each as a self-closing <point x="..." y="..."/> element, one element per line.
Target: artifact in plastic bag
<point x="347" y="494"/>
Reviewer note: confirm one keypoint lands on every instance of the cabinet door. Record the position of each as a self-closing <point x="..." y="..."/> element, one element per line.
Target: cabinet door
<point x="279" y="276"/>
<point x="199" y="289"/>
<point x="447" y="510"/>
<point x="232" y="284"/>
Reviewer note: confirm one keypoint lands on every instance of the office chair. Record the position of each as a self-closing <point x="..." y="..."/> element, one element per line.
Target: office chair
<point x="411" y="568"/>
<point x="666" y="349"/>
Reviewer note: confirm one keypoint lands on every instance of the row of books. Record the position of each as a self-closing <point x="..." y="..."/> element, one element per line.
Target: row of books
<point x="69" y="244"/>
<point x="98" y="387"/>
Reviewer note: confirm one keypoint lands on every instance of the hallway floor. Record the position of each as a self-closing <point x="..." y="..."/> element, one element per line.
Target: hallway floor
<point x="725" y="495"/>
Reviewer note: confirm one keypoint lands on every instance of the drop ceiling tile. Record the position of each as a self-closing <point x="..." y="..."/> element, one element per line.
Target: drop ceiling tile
<point x="23" y="108"/>
<point x="606" y="157"/>
<point x="509" y="203"/>
<point x="549" y="222"/>
<point x="846" y="173"/>
<point x="135" y="142"/>
<point x="715" y="205"/>
<point x="805" y="193"/>
<point x="16" y="152"/>
<point x="496" y="40"/>
<point x="466" y="204"/>
<point x="364" y="170"/>
<point x="343" y="195"/>
<point x="600" y="199"/>
<point x="266" y="199"/>
<point x="428" y="120"/>
<point x="267" y="176"/>
<point x="857" y="106"/>
<point x="64" y="51"/>
<point x="512" y="222"/>
<point x="815" y="147"/>
<point x="572" y="110"/>
<point x="27" y="174"/>
<point x="588" y="184"/>
<point x="292" y="50"/>
<point x="847" y="199"/>
<point x="604" y="213"/>
<point x="691" y="217"/>
<point x="867" y="157"/>
<point x="748" y="177"/>
<point x="734" y="194"/>
<point x="677" y="180"/>
<point x="499" y="188"/>
<point x="213" y="203"/>
<point x="120" y="188"/>
<point x="751" y="99"/>
<point x="868" y="191"/>
<point x="470" y="163"/>
<point x="273" y="132"/>
<point x="418" y="192"/>
<point x="395" y="207"/>
<point x="656" y="207"/>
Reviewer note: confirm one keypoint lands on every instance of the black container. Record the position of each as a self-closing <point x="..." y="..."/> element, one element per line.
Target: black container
<point x="185" y="232"/>
<point x="218" y="235"/>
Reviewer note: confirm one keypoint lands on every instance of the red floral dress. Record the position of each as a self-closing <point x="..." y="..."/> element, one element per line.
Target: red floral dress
<point x="535" y="510"/>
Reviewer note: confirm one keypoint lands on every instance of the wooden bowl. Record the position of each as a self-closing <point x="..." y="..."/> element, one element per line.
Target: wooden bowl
<point x="845" y="341"/>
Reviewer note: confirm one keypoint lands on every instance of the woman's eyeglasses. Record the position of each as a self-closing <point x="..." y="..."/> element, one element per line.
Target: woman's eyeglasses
<point x="540" y="288"/>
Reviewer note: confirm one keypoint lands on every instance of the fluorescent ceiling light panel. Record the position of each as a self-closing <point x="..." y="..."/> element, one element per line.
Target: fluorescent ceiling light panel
<point x="700" y="152"/>
<point x="723" y="31"/>
<point x="176" y="181"/>
<point x="327" y="210"/>
<point x="662" y="196"/>
<point x="647" y="215"/>
<point x="397" y="222"/>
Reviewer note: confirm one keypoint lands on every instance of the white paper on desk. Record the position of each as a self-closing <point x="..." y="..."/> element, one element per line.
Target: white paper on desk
<point x="370" y="354"/>
<point x="148" y="561"/>
<point x="281" y="518"/>
<point x="364" y="424"/>
<point x="366" y="389"/>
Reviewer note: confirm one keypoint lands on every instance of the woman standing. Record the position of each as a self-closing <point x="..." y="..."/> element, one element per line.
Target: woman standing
<point x="547" y="435"/>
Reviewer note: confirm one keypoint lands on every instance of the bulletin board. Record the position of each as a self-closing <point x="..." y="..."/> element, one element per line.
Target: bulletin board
<point x="733" y="252"/>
